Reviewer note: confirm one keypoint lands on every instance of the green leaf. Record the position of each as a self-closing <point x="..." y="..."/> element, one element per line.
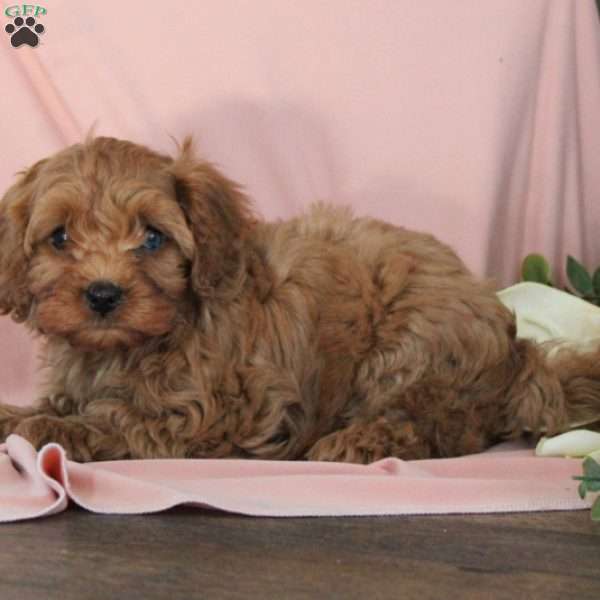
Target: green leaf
<point x="579" y="277"/>
<point x="591" y="469"/>
<point x="590" y="482"/>
<point x="536" y="268"/>
<point x="596" y="510"/>
<point x="591" y="485"/>
<point x="596" y="281"/>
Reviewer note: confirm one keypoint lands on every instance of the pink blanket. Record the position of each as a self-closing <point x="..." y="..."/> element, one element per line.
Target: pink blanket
<point x="506" y="479"/>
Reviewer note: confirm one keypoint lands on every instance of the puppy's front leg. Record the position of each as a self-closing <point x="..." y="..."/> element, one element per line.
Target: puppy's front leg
<point x="83" y="438"/>
<point x="11" y="416"/>
<point x="56" y="405"/>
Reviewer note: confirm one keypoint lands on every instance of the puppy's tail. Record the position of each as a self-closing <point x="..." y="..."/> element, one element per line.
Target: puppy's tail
<point x="556" y="388"/>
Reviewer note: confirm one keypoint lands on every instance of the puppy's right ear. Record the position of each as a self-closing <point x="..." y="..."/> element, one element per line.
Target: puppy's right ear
<point x="15" y="209"/>
<point x="219" y="217"/>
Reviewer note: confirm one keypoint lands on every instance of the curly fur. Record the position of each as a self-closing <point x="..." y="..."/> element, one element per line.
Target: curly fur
<point x="325" y="337"/>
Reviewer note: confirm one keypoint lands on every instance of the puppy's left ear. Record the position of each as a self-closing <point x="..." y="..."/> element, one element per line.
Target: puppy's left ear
<point x="219" y="216"/>
<point x="15" y="208"/>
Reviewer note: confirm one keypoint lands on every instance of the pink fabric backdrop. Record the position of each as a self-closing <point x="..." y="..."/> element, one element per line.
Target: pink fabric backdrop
<point x="477" y="121"/>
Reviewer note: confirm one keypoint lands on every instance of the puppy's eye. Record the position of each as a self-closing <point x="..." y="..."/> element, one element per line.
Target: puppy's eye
<point x="59" y="238"/>
<point x="154" y="239"/>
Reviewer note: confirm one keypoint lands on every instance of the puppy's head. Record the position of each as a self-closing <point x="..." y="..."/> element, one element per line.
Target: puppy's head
<point x="106" y="242"/>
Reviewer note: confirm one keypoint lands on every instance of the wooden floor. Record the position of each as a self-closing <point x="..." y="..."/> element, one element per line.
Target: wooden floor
<point x="191" y="553"/>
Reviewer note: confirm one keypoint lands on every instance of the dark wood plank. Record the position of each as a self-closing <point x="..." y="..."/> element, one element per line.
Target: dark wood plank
<point x="190" y="553"/>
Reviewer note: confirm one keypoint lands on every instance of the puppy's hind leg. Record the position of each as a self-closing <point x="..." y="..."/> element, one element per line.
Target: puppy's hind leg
<point x="365" y="441"/>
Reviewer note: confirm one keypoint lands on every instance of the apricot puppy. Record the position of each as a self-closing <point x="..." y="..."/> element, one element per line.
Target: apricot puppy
<point x="177" y="324"/>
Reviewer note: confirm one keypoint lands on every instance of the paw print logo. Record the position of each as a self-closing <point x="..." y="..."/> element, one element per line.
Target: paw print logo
<point x="24" y="31"/>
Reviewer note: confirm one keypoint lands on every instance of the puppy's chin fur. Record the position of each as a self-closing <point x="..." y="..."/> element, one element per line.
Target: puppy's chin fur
<point x="106" y="339"/>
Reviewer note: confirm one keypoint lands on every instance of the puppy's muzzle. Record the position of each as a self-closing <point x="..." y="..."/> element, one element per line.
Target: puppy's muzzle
<point x="103" y="296"/>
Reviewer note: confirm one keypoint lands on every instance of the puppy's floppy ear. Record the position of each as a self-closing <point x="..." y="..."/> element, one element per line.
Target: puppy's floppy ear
<point x="219" y="216"/>
<point x="15" y="208"/>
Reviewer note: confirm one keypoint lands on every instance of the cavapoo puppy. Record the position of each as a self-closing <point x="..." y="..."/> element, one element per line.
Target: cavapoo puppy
<point x="175" y="323"/>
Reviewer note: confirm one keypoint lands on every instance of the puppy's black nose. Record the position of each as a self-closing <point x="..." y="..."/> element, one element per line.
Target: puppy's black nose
<point x="103" y="296"/>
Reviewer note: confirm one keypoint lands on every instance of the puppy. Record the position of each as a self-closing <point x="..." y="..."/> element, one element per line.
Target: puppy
<point x="175" y="323"/>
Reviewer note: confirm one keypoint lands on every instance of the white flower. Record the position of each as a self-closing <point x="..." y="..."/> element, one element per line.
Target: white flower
<point x="580" y="442"/>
